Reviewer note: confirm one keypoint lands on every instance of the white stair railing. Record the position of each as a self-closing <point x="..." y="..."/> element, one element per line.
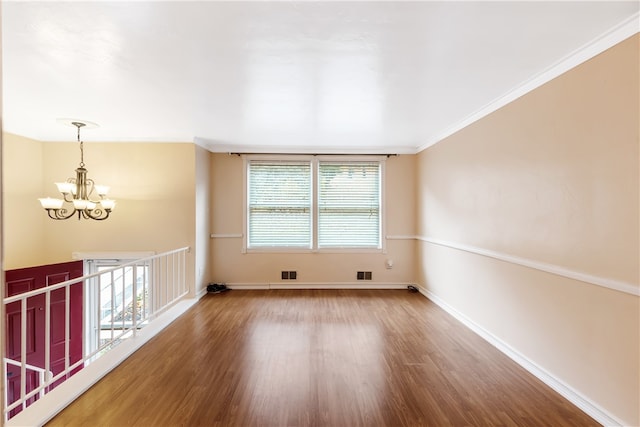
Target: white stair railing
<point x="128" y="297"/>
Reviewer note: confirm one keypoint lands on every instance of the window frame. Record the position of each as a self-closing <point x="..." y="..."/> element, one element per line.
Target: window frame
<point x="92" y="262"/>
<point x="314" y="161"/>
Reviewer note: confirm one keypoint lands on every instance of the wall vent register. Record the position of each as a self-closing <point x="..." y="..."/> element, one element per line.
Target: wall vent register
<point x="364" y="275"/>
<point x="289" y="275"/>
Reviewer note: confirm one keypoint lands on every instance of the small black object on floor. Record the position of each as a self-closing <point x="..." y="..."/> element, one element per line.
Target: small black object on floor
<point x="412" y="288"/>
<point x="217" y="288"/>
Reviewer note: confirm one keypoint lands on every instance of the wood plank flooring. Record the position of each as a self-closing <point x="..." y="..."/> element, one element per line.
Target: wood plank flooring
<point x="319" y="358"/>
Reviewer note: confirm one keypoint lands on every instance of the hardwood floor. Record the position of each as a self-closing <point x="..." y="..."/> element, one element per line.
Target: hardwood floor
<point x="319" y="358"/>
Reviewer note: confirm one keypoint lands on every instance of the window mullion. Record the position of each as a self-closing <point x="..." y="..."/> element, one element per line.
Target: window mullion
<point x="314" y="203"/>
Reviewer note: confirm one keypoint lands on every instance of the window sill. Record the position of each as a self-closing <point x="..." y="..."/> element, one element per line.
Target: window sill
<point x="314" y="251"/>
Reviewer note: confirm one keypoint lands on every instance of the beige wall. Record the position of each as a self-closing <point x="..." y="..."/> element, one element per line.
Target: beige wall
<point x="230" y="265"/>
<point x="154" y="188"/>
<point x="2" y="202"/>
<point x="202" y="218"/>
<point x="551" y="178"/>
<point x="23" y="218"/>
<point x="154" y="185"/>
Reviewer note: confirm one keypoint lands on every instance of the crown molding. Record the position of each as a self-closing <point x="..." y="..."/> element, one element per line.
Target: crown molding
<point x="607" y="40"/>
<point x="217" y="147"/>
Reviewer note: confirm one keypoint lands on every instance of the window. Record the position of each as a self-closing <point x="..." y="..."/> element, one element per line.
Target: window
<point x="314" y="203"/>
<point x="279" y="201"/>
<point x="109" y="297"/>
<point x="349" y="204"/>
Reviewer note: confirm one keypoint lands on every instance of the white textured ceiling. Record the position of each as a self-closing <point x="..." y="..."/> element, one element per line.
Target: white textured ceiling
<point x="283" y="76"/>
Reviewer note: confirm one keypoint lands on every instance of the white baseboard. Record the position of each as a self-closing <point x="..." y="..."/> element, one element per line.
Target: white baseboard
<point x="582" y="402"/>
<point x="47" y="407"/>
<point x="202" y="292"/>
<point x="318" y="285"/>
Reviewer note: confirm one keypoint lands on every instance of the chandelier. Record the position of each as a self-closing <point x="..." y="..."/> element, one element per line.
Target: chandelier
<point x="76" y="195"/>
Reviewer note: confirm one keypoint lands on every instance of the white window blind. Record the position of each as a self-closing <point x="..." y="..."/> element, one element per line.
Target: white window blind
<point x="349" y="205"/>
<point x="279" y="204"/>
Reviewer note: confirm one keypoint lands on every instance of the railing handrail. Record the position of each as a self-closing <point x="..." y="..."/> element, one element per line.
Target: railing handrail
<point x="61" y="285"/>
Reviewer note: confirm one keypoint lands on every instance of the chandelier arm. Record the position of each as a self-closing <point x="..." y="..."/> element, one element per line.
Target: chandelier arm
<point x="60" y="214"/>
<point x="98" y="214"/>
<point x="90" y="187"/>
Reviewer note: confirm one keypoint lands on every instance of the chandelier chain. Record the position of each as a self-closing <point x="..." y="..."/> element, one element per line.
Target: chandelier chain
<point x="79" y="125"/>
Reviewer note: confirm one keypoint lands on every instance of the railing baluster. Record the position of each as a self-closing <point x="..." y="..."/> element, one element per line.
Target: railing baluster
<point x="67" y="326"/>
<point x="144" y="291"/>
<point x="153" y="290"/>
<point x="41" y="381"/>
<point x="23" y="351"/>
<point x="99" y="315"/>
<point x="84" y="315"/>
<point x="165" y="281"/>
<point x="123" y="299"/>
<point x="134" y="300"/>
<point x="47" y="331"/>
<point x="6" y="388"/>
<point x="113" y="298"/>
